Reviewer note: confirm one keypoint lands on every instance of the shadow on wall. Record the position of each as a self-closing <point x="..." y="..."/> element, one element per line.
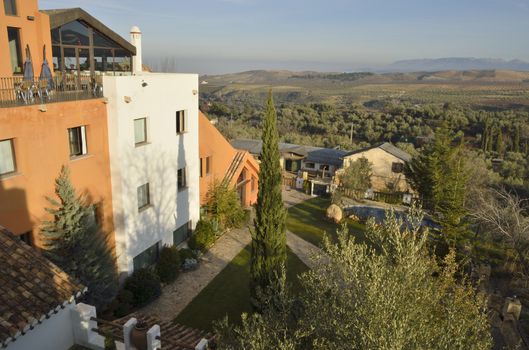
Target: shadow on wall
<point x="168" y="205"/>
<point x="14" y="213"/>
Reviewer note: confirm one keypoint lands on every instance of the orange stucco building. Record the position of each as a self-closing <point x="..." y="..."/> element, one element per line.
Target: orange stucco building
<point x="40" y="135"/>
<point x="22" y="19"/>
<point x="219" y="161"/>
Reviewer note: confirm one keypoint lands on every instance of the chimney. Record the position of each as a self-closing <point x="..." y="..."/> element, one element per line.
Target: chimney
<point x="135" y="39"/>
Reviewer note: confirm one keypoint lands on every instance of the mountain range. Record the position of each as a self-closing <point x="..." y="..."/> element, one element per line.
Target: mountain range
<point x="451" y="63"/>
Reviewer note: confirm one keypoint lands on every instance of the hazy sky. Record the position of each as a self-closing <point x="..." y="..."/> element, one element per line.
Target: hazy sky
<point x="212" y="36"/>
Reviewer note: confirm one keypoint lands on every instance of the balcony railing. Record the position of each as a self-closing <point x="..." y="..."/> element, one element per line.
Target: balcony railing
<point x="17" y="91"/>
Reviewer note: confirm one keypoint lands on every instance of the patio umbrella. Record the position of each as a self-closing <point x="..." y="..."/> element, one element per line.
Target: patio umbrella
<point x="45" y="71"/>
<point x="28" y="66"/>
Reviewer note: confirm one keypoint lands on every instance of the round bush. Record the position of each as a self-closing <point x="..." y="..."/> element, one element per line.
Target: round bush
<point x="203" y="237"/>
<point x="144" y="285"/>
<point x="169" y="264"/>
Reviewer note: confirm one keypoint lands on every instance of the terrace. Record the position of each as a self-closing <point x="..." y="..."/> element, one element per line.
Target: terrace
<point x="17" y="91"/>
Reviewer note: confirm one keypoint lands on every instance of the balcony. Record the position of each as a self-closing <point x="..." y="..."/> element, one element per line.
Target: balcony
<point x="16" y="91"/>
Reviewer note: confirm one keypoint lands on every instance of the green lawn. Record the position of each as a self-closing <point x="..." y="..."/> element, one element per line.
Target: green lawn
<point x="307" y="220"/>
<point x="228" y="293"/>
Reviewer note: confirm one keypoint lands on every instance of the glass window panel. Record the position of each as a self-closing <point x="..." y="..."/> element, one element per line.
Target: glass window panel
<point x="103" y="60"/>
<point x="181" y="234"/>
<point x="10" y="7"/>
<point x="74" y="33"/>
<point x="57" y="58"/>
<point x="84" y="60"/>
<point x="7" y="158"/>
<point x="180" y="122"/>
<point x="140" y="131"/>
<point x="55" y="36"/>
<point x="102" y="41"/>
<point x="122" y="62"/>
<point x="143" y="196"/>
<point x="70" y="59"/>
<point x="15" y="50"/>
<point x="181" y="179"/>
<point x="77" y="141"/>
<point x="147" y="258"/>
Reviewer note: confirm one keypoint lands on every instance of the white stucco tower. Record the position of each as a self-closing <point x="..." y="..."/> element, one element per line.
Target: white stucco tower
<point x="135" y="39"/>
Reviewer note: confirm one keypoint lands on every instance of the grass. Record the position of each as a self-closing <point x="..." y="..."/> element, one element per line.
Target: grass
<point x="228" y="293"/>
<point x="307" y="220"/>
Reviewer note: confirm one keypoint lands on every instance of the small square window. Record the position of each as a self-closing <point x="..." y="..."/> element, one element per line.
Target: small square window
<point x="7" y="157"/>
<point x="180" y="122"/>
<point x="397" y="167"/>
<point x="182" y="182"/>
<point x="77" y="139"/>
<point x="309" y="165"/>
<point x="10" y="7"/>
<point x="140" y="131"/>
<point x="143" y="196"/>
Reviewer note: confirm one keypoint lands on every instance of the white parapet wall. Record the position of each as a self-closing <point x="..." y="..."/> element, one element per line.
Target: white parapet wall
<point x="156" y="97"/>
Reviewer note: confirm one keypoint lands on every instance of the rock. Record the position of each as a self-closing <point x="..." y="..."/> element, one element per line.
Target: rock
<point x="334" y="213"/>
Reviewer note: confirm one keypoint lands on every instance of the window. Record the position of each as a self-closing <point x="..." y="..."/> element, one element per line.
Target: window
<point x="397" y="167"/>
<point x="7" y="157"/>
<point x="140" y="131"/>
<point x="309" y="165"/>
<point x="180" y="122"/>
<point x="143" y="197"/>
<point x="147" y="258"/>
<point x="208" y="165"/>
<point x="201" y="167"/>
<point x="26" y="238"/>
<point x="182" y="233"/>
<point x="10" y="7"/>
<point x="182" y="183"/>
<point x="77" y="137"/>
<point x="15" y="51"/>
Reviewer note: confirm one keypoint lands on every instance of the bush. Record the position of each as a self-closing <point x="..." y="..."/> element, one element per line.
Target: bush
<point x="169" y="264"/>
<point x="144" y="285"/>
<point x="203" y="237"/>
<point x="122" y="305"/>
<point x="185" y="254"/>
<point x="223" y="204"/>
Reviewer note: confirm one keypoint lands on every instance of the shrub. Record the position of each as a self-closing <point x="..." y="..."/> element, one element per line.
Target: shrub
<point x="223" y="204"/>
<point x="185" y="254"/>
<point x="122" y="305"/>
<point x="203" y="237"/>
<point x="169" y="264"/>
<point x="144" y="285"/>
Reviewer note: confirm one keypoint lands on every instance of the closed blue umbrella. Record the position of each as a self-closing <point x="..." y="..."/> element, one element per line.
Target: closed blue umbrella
<point x="45" y="71"/>
<point x="28" y="66"/>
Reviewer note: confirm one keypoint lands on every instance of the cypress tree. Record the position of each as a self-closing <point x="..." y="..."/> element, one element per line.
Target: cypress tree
<point x="269" y="235"/>
<point x="74" y="241"/>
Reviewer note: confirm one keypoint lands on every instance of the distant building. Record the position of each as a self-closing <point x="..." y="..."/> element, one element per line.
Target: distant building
<point x="220" y="161"/>
<point x="388" y="164"/>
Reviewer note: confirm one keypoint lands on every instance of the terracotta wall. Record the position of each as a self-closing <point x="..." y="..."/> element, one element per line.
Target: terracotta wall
<point x="33" y="32"/>
<point x="41" y="148"/>
<point x="213" y="144"/>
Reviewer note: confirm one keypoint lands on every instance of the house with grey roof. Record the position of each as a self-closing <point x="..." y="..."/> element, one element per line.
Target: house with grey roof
<point x="387" y="166"/>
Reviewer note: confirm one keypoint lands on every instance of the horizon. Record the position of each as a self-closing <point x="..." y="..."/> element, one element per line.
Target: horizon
<point x="227" y="36"/>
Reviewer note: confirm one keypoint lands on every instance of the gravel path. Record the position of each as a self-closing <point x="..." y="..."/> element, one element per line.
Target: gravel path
<point x="178" y="294"/>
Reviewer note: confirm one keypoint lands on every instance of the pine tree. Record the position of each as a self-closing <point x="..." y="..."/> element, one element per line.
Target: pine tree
<point x="74" y="241"/>
<point x="269" y="234"/>
<point x="438" y="174"/>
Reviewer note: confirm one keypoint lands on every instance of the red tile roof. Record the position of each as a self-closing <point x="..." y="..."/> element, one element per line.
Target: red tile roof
<point x="31" y="288"/>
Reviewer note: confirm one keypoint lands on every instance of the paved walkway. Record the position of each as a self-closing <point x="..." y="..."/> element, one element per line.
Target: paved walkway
<point x="178" y="294"/>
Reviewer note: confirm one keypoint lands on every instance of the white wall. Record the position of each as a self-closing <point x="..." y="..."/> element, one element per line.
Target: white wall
<point x="54" y="333"/>
<point x="155" y="163"/>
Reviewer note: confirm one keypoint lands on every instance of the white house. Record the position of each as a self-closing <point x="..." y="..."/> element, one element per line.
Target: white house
<point x="154" y="161"/>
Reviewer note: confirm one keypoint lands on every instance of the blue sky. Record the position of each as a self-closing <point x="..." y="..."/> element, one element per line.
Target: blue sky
<point x="218" y="36"/>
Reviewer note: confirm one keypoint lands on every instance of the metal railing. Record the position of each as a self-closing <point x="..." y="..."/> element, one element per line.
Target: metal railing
<point x="17" y="91"/>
